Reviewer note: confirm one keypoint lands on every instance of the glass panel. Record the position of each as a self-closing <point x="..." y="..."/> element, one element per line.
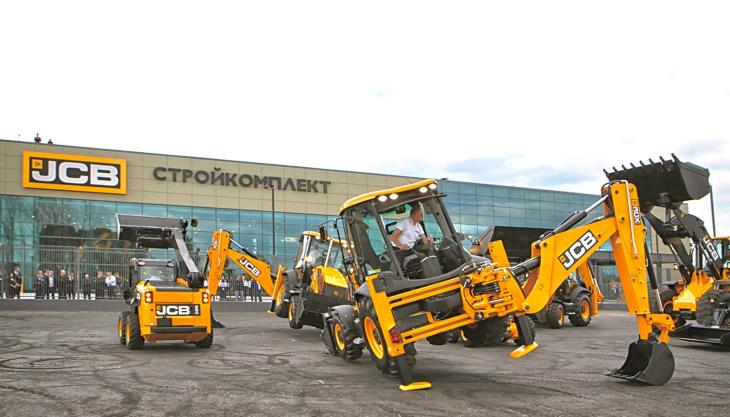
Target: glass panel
<point x="154" y="210"/>
<point x="516" y="193"/>
<point x="467" y="189"/>
<point x="129" y="208"/>
<point x="180" y="211"/>
<point x="501" y="221"/>
<point x="501" y="202"/>
<point x="468" y="199"/>
<point x="501" y="192"/>
<point x="485" y="190"/>
<point x="227" y="215"/>
<point x="204" y="213"/>
<point x="501" y="211"/>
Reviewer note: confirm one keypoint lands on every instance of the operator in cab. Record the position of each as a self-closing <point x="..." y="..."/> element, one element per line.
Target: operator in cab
<point x="408" y="232"/>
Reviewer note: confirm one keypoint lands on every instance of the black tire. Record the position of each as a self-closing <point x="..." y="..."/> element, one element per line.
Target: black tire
<point x="707" y="305"/>
<point x="373" y="335"/>
<point x="292" y="313"/>
<point x="454" y="336"/>
<point x="555" y="315"/>
<point x="135" y="340"/>
<point x="582" y="317"/>
<point x="533" y="330"/>
<point x="122" y="327"/>
<point x="488" y="332"/>
<point x="439" y="339"/>
<point x="205" y="343"/>
<point x="281" y="308"/>
<point x="345" y="345"/>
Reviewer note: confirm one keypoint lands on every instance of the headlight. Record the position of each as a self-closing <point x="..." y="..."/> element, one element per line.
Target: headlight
<point x="206" y="297"/>
<point x="148" y="297"/>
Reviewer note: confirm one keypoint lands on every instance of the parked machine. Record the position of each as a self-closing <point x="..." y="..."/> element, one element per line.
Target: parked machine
<point x="411" y="295"/>
<point x="301" y="294"/>
<point x="703" y="291"/>
<point x="577" y="298"/>
<point x="168" y="298"/>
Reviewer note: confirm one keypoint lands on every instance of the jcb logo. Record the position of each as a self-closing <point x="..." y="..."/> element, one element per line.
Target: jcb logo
<point x="74" y="173"/>
<point x="250" y="267"/>
<point x="577" y="250"/>
<point x="177" y="310"/>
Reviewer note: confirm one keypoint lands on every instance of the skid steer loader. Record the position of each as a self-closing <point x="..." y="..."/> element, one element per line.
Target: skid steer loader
<point x="301" y="294"/>
<point x="168" y="298"/>
<point x="407" y="296"/>
<point x="702" y="293"/>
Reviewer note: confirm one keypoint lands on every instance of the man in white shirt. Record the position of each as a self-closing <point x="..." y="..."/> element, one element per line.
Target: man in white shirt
<point x="408" y="231"/>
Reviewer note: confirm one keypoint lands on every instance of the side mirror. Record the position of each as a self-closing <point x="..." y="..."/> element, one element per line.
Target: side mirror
<point x="126" y="294"/>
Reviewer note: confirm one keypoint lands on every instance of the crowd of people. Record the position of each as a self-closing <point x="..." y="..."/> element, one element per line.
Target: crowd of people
<point x="61" y="284"/>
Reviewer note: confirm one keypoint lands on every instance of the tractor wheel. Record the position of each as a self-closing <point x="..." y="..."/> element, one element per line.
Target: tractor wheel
<point x="555" y="315"/>
<point x="375" y="341"/>
<point x="708" y="304"/>
<point x="293" y="307"/>
<point x="439" y="339"/>
<point x="345" y="341"/>
<point x="487" y="332"/>
<point x="281" y="308"/>
<point x="454" y="336"/>
<point x="122" y="327"/>
<point x="666" y="295"/>
<point x="533" y="330"/>
<point x="582" y="317"/>
<point x="133" y="333"/>
<point x="205" y="343"/>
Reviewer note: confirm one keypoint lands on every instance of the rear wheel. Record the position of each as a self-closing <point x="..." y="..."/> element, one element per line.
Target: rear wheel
<point x="375" y="341"/>
<point x="486" y="333"/>
<point x="439" y="339"/>
<point x="709" y="302"/>
<point x="555" y="315"/>
<point x="582" y="317"/>
<point x="122" y="327"/>
<point x="345" y="341"/>
<point x="133" y="334"/>
<point x="293" y="307"/>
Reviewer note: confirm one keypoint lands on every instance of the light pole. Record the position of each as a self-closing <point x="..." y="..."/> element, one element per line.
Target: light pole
<point x="270" y="186"/>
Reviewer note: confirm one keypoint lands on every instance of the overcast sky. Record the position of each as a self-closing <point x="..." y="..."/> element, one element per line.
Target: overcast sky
<point x="536" y="94"/>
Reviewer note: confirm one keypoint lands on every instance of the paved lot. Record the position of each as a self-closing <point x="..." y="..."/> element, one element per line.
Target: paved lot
<point x="70" y="364"/>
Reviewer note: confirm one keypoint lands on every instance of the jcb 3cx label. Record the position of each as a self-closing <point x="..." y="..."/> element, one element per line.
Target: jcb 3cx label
<point x="577" y="250"/>
<point x="167" y="310"/>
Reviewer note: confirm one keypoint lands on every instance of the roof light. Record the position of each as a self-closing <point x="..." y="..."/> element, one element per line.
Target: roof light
<point x="382" y="198"/>
<point x="432" y="186"/>
<point x="423" y="189"/>
<point x="393" y="196"/>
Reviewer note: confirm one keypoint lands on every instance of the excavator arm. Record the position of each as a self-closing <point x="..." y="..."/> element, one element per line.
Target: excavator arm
<point x="221" y="250"/>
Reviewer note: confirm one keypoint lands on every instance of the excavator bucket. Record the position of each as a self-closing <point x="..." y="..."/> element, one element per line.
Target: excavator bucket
<point x="649" y="362"/>
<point x="667" y="183"/>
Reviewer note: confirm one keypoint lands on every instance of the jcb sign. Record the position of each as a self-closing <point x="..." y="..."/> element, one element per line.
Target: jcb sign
<point x="167" y="310"/>
<point x="74" y="173"/>
<point x="577" y="250"/>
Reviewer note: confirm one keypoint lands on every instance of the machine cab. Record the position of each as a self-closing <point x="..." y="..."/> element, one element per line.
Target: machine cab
<point x="372" y="219"/>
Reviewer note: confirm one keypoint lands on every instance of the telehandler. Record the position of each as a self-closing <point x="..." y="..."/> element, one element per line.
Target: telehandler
<point x="168" y="298"/>
<point x="407" y="296"/>
<point x="301" y="294"/>
<point x="703" y="291"/>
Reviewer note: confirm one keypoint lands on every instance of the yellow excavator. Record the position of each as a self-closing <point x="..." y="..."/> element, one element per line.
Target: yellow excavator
<point x="168" y="298"/>
<point x="433" y="288"/>
<point x="703" y="291"/>
<point x="300" y="294"/>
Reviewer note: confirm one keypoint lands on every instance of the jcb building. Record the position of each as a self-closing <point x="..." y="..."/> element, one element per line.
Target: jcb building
<point x="53" y="196"/>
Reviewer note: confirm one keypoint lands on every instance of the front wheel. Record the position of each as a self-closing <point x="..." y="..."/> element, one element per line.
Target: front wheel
<point x="345" y="341"/>
<point x="582" y="317"/>
<point x="133" y="332"/>
<point x="555" y="315"/>
<point x="708" y="304"/>
<point x="294" y="323"/>
<point x="122" y="327"/>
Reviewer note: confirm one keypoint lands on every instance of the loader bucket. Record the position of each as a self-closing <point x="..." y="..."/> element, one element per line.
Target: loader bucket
<point x="648" y="362"/>
<point x="667" y="183"/>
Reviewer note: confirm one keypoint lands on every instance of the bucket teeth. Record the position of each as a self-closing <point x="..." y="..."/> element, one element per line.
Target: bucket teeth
<point x="667" y="183"/>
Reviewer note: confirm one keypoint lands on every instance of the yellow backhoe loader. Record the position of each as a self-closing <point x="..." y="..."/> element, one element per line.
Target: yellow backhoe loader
<point x="427" y="291"/>
<point x="301" y="294"/>
<point x="168" y="298"/>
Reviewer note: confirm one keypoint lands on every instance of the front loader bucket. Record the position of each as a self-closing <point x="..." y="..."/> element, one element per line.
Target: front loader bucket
<point x="665" y="183"/>
<point x="648" y="362"/>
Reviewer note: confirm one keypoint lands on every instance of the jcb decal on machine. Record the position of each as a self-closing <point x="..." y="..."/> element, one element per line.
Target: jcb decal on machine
<point x="577" y="250"/>
<point x="250" y="267"/>
<point x="177" y="310"/>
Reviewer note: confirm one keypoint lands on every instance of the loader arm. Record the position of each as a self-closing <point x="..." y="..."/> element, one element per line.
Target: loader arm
<point x="221" y="251"/>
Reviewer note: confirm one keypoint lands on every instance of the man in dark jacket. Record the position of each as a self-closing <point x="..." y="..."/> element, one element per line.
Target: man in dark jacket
<point x="15" y="282"/>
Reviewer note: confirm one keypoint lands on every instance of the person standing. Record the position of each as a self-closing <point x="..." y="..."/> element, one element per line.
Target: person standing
<point x="238" y="288"/>
<point x="223" y="288"/>
<point x="51" y="284"/>
<point x="71" y="286"/>
<point x="62" y="284"/>
<point x="40" y="284"/>
<point x="247" y="288"/>
<point x="255" y="291"/>
<point x="16" y="282"/>
<point x="99" y="285"/>
<point x="86" y="286"/>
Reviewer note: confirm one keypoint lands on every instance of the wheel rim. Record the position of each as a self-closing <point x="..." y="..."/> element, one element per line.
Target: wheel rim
<point x="279" y="296"/>
<point x="585" y="309"/>
<point x="561" y="315"/>
<point x="338" y="336"/>
<point x="127" y="335"/>
<point x="120" y="326"/>
<point x="291" y="311"/>
<point x="374" y="340"/>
